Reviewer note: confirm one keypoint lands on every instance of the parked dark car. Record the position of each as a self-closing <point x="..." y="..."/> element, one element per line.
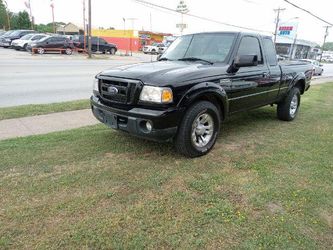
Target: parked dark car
<point x="52" y="43"/>
<point x="97" y="44"/>
<point x="5" y="34"/>
<point x="195" y="85"/>
<point x="6" y="40"/>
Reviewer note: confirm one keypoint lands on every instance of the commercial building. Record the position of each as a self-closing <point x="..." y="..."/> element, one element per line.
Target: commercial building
<point x="69" y="29"/>
<point x="130" y="40"/>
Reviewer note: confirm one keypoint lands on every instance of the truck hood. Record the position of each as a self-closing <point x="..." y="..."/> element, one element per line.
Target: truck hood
<point x="162" y="73"/>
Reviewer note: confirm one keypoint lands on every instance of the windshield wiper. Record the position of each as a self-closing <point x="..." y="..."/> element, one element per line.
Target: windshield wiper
<point x="194" y="59"/>
<point x="163" y="59"/>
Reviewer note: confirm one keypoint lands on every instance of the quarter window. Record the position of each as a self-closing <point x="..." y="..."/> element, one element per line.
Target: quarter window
<point x="270" y="51"/>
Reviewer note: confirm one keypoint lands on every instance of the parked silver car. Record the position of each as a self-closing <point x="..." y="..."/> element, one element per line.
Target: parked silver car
<point x="317" y="67"/>
<point x="24" y="41"/>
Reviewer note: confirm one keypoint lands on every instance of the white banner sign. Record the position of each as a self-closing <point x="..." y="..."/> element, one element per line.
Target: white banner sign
<point x="288" y="30"/>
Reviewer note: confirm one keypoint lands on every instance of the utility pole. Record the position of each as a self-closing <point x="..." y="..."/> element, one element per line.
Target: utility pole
<point x="131" y="35"/>
<point x="32" y="18"/>
<point x="84" y="25"/>
<point x="277" y="22"/>
<point x="325" y="36"/>
<point x="89" y="28"/>
<point x="52" y="6"/>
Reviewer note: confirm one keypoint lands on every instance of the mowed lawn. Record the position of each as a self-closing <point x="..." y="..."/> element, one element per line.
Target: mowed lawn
<point x="266" y="184"/>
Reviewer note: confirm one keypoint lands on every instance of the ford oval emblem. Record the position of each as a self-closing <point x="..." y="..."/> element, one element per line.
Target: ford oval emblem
<point x="112" y="90"/>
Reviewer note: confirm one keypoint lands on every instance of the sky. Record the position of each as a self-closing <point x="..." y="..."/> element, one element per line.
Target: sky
<point x="257" y="14"/>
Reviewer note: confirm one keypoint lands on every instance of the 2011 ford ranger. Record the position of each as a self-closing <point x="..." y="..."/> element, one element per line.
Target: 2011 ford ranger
<point x="195" y="85"/>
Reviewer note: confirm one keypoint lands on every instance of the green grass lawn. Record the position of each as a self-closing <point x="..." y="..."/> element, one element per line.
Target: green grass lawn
<point x="41" y="109"/>
<point x="266" y="184"/>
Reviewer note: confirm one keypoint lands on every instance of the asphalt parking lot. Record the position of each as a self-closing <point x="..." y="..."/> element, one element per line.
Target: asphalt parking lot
<point x="37" y="79"/>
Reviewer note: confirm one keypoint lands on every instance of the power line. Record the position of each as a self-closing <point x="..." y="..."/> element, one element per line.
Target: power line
<point x="149" y="4"/>
<point x="309" y="12"/>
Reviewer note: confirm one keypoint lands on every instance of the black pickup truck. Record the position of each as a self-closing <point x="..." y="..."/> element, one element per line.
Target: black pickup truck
<point x="195" y="85"/>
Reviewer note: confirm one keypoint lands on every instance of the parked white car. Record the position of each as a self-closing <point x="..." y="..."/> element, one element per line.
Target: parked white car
<point x="317" y="67"/>
<point x="153" y="49"/>
<point x="24" y="41"/>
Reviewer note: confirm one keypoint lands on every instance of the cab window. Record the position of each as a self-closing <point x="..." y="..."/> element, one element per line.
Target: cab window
<point x="250" y="46"/>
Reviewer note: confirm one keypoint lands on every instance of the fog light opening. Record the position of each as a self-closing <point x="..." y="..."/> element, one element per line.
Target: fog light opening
<point x="149" y="126"/>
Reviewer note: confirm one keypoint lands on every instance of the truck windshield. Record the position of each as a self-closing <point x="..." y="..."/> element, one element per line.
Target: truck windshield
<point x="211" y="47"/>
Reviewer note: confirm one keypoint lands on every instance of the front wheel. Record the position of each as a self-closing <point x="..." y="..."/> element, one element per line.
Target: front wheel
<point x="287" y="109"/>
<point x="112" y="51"/>
<point x="199" y="129"/>
<point x="68" y="51"/>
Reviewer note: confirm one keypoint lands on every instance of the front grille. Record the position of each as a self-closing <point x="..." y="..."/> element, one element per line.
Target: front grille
<point x="127" y="89"/>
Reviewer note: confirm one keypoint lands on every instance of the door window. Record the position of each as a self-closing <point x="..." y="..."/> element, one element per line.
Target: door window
<point x="250" y="46"/>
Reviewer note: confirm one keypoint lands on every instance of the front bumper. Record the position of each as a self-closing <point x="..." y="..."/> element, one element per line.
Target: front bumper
<point x="165" y="122"/>
<point x="5" y="44"/>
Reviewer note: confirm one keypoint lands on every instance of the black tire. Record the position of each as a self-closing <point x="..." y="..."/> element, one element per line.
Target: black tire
<point x="183" y="141"/>
<point x="286" y="109"/>
<point x="25" y="47"/>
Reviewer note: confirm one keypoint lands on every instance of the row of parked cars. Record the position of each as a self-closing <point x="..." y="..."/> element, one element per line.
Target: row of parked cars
<point x="40" y="43"/>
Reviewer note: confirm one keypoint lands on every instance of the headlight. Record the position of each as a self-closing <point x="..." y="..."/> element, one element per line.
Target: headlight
<point x="156" y="94"/>
<point x="95" y="85"/>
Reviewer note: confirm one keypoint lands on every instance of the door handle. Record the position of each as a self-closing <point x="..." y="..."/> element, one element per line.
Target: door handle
<point x="266" y="75"/>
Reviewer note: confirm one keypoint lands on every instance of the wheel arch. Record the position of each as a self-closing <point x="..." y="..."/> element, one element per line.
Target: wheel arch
<point x="300" y="83"/>
<point x="207" y="91"/>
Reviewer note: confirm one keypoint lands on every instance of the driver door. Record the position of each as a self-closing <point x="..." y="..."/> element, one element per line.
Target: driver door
<point x="248" y="83"/>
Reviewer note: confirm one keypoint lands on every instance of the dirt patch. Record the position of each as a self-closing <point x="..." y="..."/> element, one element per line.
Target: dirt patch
<point x="275" y="208"/>
<point x="328" y="218"/>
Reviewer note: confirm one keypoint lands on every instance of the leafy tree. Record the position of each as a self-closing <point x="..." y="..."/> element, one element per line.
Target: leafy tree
<point x="328" y="46"/>
<point x="45" y="28"/>
<point x="20" y="20"/>
<point x="3" y="16"/>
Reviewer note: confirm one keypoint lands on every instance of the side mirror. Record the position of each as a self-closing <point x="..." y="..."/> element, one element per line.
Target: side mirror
<point x="243" y="61"/>
<point x="246" y="61"/>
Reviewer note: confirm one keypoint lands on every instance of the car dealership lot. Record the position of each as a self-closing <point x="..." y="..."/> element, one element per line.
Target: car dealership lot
<point x="33" y="79"/>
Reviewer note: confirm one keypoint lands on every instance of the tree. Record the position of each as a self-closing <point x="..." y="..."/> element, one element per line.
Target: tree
<point x="20" y="20"/>
<point x="3" y="16"/>
<point x="328" y="46"/>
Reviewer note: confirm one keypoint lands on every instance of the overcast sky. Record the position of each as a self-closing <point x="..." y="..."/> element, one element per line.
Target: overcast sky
<point x="256" y="14"/>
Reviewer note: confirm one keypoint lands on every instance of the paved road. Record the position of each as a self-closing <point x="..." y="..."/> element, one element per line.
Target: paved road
<point x="26" y="79"/>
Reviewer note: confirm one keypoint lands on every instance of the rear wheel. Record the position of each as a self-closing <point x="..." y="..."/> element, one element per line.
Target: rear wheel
<point x="41" y="51"/>
<point x="199" y="129"/>
<point x="287" y="109"/>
